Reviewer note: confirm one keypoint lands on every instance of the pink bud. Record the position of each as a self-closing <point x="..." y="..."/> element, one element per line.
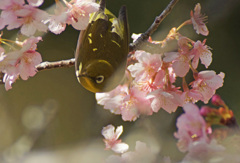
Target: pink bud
<point x="216" y="100"/>
<point x="205" y="110"/>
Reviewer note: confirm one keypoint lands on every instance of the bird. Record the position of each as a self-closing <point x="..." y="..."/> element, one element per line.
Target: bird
<point x="102" y="50"/>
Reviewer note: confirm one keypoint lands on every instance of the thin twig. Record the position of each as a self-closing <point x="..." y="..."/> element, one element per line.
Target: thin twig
<point x="57" y="64"/>
<point x="153" y="27"/>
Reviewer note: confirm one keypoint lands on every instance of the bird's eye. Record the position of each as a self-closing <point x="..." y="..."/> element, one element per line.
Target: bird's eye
<point x="99" y="79"/>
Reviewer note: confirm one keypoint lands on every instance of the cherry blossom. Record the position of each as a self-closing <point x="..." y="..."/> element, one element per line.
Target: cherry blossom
<point x="198" y="21"/>
<point x="113" y="100"/>
<point x="130" y="103"/>
<point x="191" y="95"/>
<point x="180" y="63"/>
<point x="155" y="74"/>
<point x="157" y="81"/>
<point x="149" y="72"/>
<point x="57" y="22"/>
<point x="17" y="14"/>
<point x="134" y="104"/>
<point x="78" y="12"/>
<point x="180" y="60"/>
<point x="148" y="64"/>
<point x="200" y="50"/>
<point x="206" y="84"/>
<point x="9" y="14"/>
<point x="20" y="62"/>
<point x="191" y="127"/>
<point x="32" y="20"/>
<point x="30" y="58"/>
<point x="111" y="139"/>
<point x="169" y="100"/>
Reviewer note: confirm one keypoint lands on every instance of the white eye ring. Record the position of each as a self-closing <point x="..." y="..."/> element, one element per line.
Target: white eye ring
<point x="99" y="79"/>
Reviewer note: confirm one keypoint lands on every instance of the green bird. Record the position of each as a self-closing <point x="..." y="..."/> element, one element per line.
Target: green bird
<point x="102" y="50"/>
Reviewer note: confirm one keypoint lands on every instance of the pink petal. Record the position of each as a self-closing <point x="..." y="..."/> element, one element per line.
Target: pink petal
<point x="27" y="66"/>
<point x="190" y="108"/>
<point x="207" y="74"/>
<point x="9" y="80"/>
<point x="5" y="4"/>
<point x="215" y="82"/>
<point x="168" y="101"/>
<point x="195" y="62"/>
<point x="108" y="132"/>
<point x="24" y="12"/>
<point x="120" y="147"/>
<point x="113" y="100"/>
<point x="57" y="24"/>
<point x="28" y="29"/>
<point x="40" y="26"/>
<point x="35" y="3"/>
<point x="8" y="18"/>
<point x="155" y="105"/>
<point x="181" y="68"/>
<point x="2" y="23"/>
<point x="207" y="93"/>
<point x="89" y="7"/>
<point x="206" y="58"/>
<point x="40" y="15"/>
<point x="119" y="131"/>
<point x="198" y="21"/>
<point x="170" y="56"/>
<point x="82" y="23"/>
<point x="130" y="114"/>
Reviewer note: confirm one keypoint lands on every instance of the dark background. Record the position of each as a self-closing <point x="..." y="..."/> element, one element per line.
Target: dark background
<point x="79" y="119"/>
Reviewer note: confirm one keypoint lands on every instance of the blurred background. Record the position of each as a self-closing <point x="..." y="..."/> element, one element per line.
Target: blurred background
<point x="52" y="118"/>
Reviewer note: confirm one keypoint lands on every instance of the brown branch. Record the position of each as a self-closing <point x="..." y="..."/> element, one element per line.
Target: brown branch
<point x="140" y="42"/>
<point x="57" y="64"/>
<point x="133" y="46"/>
<point x="153" y="27"/>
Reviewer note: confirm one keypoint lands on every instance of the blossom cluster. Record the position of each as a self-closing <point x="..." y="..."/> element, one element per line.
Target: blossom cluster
<point x="151" y="78"/>
<point x="142" y="153"/>
<point x="20" y="62"/>
<point x="21" y="58"/>
<point x="28" y="17"/>
<point x="195" y="136"/>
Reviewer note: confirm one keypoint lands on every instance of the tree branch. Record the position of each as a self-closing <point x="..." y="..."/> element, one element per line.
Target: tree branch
<point x="56" y="64"/>
<point x="133" y="46"/>
<point x="137" y="45"/>
<point x="153" y="27"/>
